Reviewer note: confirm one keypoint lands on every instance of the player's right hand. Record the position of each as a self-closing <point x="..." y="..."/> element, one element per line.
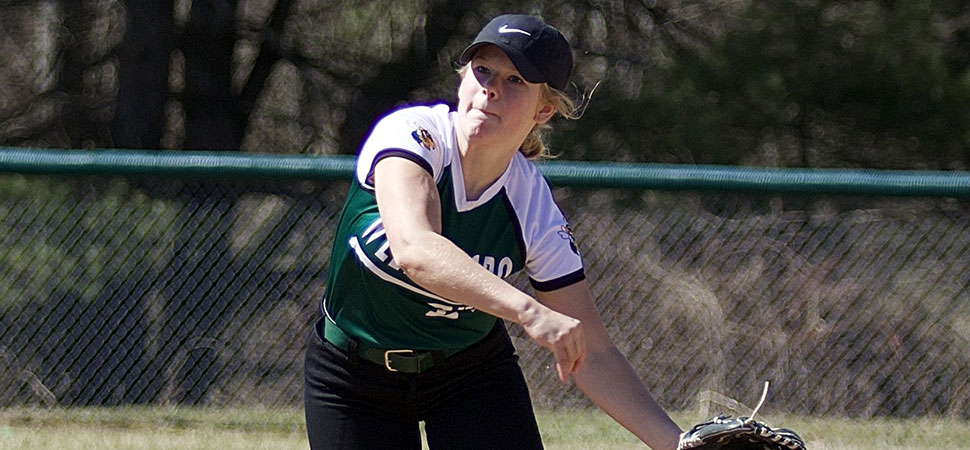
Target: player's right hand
<point x="560" y="334"/>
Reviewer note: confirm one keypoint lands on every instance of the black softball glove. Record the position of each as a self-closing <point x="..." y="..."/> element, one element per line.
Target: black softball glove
<point x="742" y="433"/>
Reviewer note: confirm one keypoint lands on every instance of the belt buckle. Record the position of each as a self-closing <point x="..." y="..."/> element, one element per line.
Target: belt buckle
<point x="387" y="357"/>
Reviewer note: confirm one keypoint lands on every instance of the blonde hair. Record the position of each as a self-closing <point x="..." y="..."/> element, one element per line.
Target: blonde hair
<point x="534" y="146"/>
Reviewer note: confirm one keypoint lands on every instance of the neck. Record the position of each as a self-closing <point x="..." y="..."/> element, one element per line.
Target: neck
<point x="481" y="166"/>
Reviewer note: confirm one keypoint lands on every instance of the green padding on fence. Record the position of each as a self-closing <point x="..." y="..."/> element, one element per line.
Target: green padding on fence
<point x="561" y="173"/>
<point x="766" y="180"/>
<point x="174" y="163"/>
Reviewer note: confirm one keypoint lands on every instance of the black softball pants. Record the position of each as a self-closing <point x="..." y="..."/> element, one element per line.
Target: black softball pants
<point x="477" y="399"/>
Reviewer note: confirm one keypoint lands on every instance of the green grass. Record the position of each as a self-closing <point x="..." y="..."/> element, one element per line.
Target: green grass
<point x="151" y="428"/>
<point x="226" y="429"/>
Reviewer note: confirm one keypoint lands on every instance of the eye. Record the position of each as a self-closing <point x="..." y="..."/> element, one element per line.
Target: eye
<point x="482" y="70"/>
<point x="515" y="79"/>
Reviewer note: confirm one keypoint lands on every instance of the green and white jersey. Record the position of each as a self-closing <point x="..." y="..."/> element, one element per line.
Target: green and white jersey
<point x="514" y="225"/>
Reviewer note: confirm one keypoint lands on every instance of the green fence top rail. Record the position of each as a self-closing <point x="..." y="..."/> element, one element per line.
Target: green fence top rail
<point x="560" y="173"/>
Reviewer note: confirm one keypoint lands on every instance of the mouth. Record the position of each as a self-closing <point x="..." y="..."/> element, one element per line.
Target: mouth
<point x="485" y="112"/>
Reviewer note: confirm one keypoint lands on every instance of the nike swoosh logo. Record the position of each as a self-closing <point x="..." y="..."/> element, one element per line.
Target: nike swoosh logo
<point x="506" y="29"/>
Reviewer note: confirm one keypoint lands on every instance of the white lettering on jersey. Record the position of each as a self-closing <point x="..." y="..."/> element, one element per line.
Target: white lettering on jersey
<point x="383" y="253"/>
<point x="374" y="231"/>
<point x="503" y="269"/>
<point x="362" y="257"/>
<point x="446" y="309"/>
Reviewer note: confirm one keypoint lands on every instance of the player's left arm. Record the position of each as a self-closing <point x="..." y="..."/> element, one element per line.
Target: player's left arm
<point x="606" y="376"/>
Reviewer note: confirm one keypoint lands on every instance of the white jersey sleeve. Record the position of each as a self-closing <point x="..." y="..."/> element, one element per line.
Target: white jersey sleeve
<point x="418" y="133"/>
<point x="552" y="258"/>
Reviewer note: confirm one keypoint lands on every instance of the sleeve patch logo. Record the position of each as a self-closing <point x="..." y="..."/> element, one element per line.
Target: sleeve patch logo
<point x="424" y="138"/>
<point x="567" y="234"/>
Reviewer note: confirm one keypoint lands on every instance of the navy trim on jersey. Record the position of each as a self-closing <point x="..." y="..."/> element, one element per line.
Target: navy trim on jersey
<point x="410" y="156"/>
<point x="551" y="188"/>
<point x="515" y="223"/>
<point x="558" y="283"/>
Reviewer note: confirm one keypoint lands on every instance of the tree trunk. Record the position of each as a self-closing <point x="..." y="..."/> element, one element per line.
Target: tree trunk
<point x="395" y="81"/>
<point x="143" y="74"/>
<point x="212" y="118"/>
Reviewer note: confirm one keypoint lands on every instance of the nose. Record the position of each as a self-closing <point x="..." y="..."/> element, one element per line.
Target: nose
<point x="490" y="87"/>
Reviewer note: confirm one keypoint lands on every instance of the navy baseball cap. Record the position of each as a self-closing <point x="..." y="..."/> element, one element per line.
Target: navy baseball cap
<point x="539" y="51"/>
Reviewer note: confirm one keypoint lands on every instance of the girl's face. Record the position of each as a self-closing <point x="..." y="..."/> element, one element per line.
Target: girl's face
<point x="495" y="104"/>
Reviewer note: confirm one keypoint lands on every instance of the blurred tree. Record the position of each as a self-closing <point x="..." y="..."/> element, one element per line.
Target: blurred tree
<point x="788" y="83"/>
<point x="55" y="72"/>
<point x="143" y="73"/>
<point x="215" y="109"/>
<point x="395" y="80"/>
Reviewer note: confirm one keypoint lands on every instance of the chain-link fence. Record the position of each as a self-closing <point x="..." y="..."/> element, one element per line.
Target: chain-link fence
<point x="165" y="290"/>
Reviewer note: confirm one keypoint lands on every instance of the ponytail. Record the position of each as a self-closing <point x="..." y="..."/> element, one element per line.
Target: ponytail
<point x="534" y="146"/>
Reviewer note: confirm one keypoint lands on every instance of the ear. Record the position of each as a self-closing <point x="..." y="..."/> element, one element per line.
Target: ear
<point x="545" y="112"/>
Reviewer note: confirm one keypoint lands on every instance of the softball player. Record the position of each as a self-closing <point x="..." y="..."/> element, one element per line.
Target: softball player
<point x="444" y="205"/>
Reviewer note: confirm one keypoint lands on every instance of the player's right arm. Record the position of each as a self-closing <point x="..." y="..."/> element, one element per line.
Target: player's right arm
<point x="410" y="209"/>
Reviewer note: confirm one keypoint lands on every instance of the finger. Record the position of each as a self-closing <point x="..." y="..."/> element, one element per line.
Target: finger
<point x="562" y="365"/>
<point x="566" y="363"/>
<point x="579" y="361"/>
<point x="576" y="348"/>
<point x="563" y="378"/>
<point x="573" y="364"/>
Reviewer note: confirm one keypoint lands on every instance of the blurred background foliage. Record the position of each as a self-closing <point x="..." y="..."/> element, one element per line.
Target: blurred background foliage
<point x="98" y="269"/>
<point x="787" y="83"/>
